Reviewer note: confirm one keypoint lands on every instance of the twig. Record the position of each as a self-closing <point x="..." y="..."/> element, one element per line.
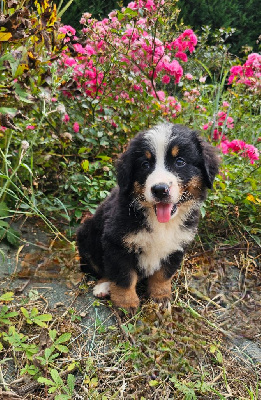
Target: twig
<point x="126" y="336"/>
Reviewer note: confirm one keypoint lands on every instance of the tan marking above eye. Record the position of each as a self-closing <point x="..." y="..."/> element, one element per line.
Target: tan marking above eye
<point x="148" y="154"/>
<point x="175" y="151"/>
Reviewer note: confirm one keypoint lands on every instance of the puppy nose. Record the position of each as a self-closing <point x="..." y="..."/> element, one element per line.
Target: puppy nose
<point x="160" y="191"/>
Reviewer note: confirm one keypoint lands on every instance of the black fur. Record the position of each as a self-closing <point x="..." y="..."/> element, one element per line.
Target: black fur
<point x="105" y="240"/>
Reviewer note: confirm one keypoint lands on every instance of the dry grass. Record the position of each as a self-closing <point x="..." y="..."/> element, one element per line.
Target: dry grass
<point x="187" y="352"/>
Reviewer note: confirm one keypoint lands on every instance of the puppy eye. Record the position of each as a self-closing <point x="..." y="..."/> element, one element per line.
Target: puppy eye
<point x="145" y="165"/>
<point x="180" y="162"/>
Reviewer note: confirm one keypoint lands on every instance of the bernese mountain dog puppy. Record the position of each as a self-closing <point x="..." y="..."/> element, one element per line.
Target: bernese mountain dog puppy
<point x="143" y="227"/>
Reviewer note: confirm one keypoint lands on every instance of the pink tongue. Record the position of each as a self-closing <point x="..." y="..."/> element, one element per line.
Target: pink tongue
<point x="163" y="212"/>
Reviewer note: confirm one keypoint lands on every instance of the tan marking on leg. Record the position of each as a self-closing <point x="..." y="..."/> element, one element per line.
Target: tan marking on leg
<point x="175" y="151"/>
<point x="126" y="297"/>
<point x="159" y="287"/>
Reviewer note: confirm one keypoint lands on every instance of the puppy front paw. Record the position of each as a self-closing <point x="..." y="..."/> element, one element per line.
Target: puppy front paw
<point x="162" y="301"/>
<point x="124" y="299"/>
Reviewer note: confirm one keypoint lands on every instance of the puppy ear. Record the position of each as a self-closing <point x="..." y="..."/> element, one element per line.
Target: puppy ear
<point x="124" y="172"/>
<point x="211" y="161"/>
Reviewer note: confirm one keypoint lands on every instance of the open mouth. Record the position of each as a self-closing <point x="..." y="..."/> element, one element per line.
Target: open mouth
<point x="164" y="211"/>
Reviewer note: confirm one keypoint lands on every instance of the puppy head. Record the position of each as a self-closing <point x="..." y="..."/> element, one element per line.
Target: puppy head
<point x="165" y="167"/>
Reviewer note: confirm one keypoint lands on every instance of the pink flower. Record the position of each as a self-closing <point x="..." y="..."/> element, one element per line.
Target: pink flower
<point x="66" y="118"/>
<point x="70" y="61"/>
<point x="189" y="77"/>
<point x="138" y="88"/>
<point x="112" y="14"/>
<point x="78" y="47"/>
<point x="251" y="152"/>
<point x="217" y="135"/>
<point x="174" y="68"/>
<point x="165" y="79"/>
<point x="133" y="5"/>
<point x="2" y="128"/>
<point x="182" y="56"/>
<point x="30" y="127"/>
<point x="225" y="104"/>
<point x="90" y="50"/>
<point x="82" y="21"/>
<point x="202" y="79"/>
<point x="224" y="146"/>
<point x="236" y="145"/>
<point x="160" y="95"/>
<point x="76" y="127"/>
<point x="239" y="146"/>
<point x="54" y="99"/>
<point x="150" y="5"/>
<point x="67" y="29"/>
<point x="205" y="127"/>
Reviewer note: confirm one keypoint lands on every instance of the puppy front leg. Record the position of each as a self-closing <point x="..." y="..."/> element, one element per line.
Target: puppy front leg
<point x="126" y="297"/>
<point x="159" y="287"/>
<point x="159" y="284"/>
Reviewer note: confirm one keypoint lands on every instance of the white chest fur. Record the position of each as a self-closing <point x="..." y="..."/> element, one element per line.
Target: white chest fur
<point x="157" y="244"/>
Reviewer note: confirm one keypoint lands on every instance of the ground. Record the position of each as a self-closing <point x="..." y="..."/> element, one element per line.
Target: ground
<point x="207" y="346"/>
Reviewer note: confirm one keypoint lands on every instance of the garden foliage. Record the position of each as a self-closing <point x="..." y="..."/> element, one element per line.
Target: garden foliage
<point x="70" y="102"/>
<point x="243" y="17"/>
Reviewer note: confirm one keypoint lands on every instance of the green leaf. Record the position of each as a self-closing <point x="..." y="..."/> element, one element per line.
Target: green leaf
<point x="63" y="338"/>
<point x="78" y="214"/>
<point x="153" y="383"/>
<point x="46" y="381"/>
<point x="40" y="321"/>
<point x="8" y="296"/>
<point x="85" y="165"/>
<point x="44" y="317"/>
<point x="28" y="168"/>
<point x="4" y="224"/>
<point x="4" y="212"/>
<point x="71" y="383"/>
<point x="62" y="348"/>
<point x="56" y="377"/>
<point x="22" y="94"/>
<point x="34" y="312"/>
<point x="25" y="312"/>
<point x="52" y="334"/>
<point x="48" y="352"/>
<point x="13" y="237"/>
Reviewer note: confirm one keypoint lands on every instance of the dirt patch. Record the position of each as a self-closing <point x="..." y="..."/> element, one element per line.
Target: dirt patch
<point x="208" y="346"/>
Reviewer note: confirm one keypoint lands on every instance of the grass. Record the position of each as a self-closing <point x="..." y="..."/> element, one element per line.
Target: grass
<point x="183" y="353"/>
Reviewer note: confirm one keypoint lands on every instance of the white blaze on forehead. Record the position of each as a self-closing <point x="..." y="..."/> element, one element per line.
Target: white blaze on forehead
<point x="158" y="139"/>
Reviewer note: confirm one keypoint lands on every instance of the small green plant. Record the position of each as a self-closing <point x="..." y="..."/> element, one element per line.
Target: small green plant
<point x="5" y="315"/>
<point x="33" y="317"/>
<point x="20" y="343"/>
<point x="56" y="384"/>
<point x="58" y="342"/>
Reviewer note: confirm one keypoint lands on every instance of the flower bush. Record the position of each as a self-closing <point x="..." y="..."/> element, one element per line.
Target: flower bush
<point x="87" y="93"/>
<point x="248" y="74"/>
<point x="122" y="59"/>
